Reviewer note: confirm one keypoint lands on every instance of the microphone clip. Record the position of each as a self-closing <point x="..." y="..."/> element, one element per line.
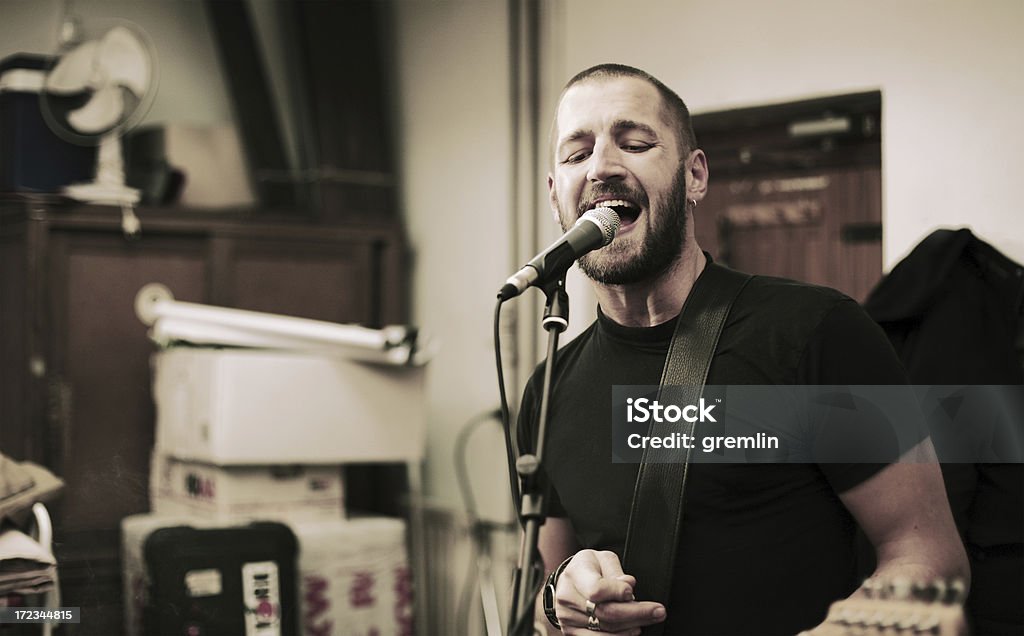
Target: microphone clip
<point x="556" y="311"/>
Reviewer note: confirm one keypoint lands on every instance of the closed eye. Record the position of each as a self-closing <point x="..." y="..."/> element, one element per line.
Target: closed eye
<point x="576" y="157"/>
<point x="636" y="147"/>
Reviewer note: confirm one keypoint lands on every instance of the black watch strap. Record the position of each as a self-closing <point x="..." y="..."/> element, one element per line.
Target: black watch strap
<point x="548" y="597"/>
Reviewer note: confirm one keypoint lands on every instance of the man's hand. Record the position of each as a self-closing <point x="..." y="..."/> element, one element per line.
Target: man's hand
<point x="598" y="577"/>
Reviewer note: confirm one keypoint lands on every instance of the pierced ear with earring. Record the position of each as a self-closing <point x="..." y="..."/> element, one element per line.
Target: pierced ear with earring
<point x="693" y="204"/>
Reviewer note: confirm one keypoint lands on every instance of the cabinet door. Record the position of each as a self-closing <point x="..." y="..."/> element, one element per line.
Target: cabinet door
<point x="821" y="226"/>
<point x="102" y="375"/>
<point x="333" y="281"/>
<point x="16" y="440"/>
<point x="100" y="412"/>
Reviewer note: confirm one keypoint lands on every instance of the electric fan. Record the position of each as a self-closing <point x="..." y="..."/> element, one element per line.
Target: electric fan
<point x="95" y="92"/>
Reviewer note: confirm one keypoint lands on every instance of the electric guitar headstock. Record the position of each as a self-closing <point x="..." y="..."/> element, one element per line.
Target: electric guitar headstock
<point x="898" y="608"/>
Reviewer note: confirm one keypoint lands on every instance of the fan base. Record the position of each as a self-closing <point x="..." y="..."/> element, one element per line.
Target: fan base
<point x="103" y="193"/>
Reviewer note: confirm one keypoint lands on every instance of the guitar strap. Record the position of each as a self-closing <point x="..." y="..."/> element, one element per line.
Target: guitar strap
<point x="657" y="511"/>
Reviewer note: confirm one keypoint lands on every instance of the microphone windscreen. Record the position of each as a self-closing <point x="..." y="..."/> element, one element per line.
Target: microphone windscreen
<point x="607" y="219"/>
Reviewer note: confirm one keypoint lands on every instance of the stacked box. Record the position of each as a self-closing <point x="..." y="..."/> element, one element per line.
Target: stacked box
<point x="354" y="577"/>
<point x="245" y="436"/>
<point x="235" y="407"/>
<point x="297" y="492"/>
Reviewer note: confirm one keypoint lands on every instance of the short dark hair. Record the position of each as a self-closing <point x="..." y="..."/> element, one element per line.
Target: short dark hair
<point x="673" y="105"/>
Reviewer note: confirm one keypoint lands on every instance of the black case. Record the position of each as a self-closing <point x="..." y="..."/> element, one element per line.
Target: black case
<point x="177" y="557"/>
<point x="32" y="157"/>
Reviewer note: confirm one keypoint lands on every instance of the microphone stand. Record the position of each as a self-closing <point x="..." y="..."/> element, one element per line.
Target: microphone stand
<point x="528" y="576"/>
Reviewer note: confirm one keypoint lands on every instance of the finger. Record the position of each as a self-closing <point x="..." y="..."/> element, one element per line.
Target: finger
<point x="598" y="576"/>
<point x="571" y="630"/>
<point x="611" y="567"/>
<point x="614" y="616"/>
<point x="601" y="562"/>
<point x="627" y="615"/>
<point x="583" y="631"/>
<point x="583" y="586"/>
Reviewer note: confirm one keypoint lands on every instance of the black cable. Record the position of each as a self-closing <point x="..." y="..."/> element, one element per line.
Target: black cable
<point x="520" y="623"/>
<point x="510" y="450"/>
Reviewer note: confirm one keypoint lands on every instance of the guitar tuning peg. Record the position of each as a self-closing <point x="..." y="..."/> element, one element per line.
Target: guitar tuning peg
<point x="921" y="591"/>
<point x="873" y="588"/>
<point x="928" y="625"/>
<point x="890" y="619"/>
<point x="909" y="622"/>
<point x="932" y="592"/>
<point x="876" y="619"/>
<point x="900" y="588"/>
<point x="957" y="593"/>
<point x="846" y="617"/>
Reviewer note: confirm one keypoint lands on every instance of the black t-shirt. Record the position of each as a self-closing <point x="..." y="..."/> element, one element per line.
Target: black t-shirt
<point x="764" y="548"/>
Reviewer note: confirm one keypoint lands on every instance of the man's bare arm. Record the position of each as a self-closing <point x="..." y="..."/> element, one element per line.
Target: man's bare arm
<point x="556" y="541"/>
<point x="905" y="514"/>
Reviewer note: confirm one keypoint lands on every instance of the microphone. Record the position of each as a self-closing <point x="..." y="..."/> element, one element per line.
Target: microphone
<point x="594" y="229"/>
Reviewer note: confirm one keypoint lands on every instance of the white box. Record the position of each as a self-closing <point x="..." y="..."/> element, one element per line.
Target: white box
<point x="245" y="406"/>
<point x="354" y="575"/>
<point x="213" y="162"/>
<point x="182" y="487"/>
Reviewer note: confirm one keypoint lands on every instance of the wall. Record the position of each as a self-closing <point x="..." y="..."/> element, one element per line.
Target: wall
<point x="453" y="118"/>
<point x="949" y="72"/>
<point x="452" y="113"/>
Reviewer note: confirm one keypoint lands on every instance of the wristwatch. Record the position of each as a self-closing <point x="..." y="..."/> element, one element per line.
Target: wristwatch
<point x="548" y="598"/>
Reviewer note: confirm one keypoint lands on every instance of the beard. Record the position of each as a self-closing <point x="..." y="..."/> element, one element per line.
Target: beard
<point x="661" y="247"/>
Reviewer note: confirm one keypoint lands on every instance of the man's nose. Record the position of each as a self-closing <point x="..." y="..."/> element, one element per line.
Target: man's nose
<point x="605" y="164"/>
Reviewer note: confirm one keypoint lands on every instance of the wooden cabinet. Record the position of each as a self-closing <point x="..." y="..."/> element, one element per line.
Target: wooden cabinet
<point x="75" y="392"/>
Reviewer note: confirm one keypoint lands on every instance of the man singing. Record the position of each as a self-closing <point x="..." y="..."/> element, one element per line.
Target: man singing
<point x="763" y="548"/>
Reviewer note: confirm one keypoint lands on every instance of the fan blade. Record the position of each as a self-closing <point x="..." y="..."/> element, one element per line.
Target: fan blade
<point x="102" y="112"/>
<point x="74" y="70"/>
<point x="125" y="60"/>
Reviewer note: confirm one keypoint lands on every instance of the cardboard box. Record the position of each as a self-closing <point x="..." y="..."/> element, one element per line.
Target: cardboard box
<point x="182" y="487"/>
<point x="354" y="575"/>
<point x="210" y="157"/>
<point x="247" y="406"/>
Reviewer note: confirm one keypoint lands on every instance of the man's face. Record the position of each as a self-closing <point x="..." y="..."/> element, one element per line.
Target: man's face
<point x="614" y="148"/>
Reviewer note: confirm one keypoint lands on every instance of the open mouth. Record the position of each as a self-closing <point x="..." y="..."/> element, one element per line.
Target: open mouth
<point x="628" y="212"/>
